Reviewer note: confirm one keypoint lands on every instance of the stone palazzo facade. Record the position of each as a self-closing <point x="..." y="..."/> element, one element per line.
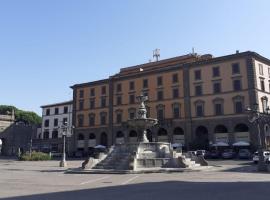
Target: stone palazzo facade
<point x="199" y="101"/>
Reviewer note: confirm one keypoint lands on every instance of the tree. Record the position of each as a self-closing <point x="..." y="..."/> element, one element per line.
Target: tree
<point x="27" y="117"/>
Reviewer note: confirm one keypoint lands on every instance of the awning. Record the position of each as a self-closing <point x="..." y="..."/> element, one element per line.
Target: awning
<point x="100" y="147"/>
<point x="175" y="145"/>
<point x="241" y="143"/>
<point x="220" y="144"/>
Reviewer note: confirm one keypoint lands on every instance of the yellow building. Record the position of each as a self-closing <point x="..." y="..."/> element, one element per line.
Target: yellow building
<point x="198" y="100"/>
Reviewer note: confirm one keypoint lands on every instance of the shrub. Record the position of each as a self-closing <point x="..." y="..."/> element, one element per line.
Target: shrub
<point x="36" y="156"/>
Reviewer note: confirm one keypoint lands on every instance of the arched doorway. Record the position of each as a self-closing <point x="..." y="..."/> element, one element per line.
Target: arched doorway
<point x="92" y="142"/>
<point x="201" y="140"/>
<point x="80" y="142"/>
<point x="267" y="135"/>
<point x="221" y="134"/>
<point x="133" y="136"/>
<point x="149" y="135"/>
<point x="241" y="133"/>
<point x="179" y="136"/>
<point x="162" y="135"/>
<point x="120" y="139"/>
<point x="104" y="139"/>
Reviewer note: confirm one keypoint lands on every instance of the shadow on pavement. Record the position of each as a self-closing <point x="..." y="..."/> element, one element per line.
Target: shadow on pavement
<point x="164" y="190"/>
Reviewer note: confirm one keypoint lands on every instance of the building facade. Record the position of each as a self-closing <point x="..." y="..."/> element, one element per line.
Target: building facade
<point x="198" y="100"/>
<point x="49" y="136"/>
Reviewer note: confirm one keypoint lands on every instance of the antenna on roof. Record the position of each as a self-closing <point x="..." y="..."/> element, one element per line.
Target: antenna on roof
<point x="156" y="54"/>
<point x="193" y="51"/>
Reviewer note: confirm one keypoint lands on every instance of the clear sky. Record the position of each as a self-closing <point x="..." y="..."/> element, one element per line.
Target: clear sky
<point x="48" y="45"/>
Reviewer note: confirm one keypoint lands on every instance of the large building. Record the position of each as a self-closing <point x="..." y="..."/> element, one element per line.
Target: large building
<point x="49" y="136"/>
<point x="198" y="100"/>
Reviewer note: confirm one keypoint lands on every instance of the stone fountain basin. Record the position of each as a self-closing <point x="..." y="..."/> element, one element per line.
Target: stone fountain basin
<point x="142" y="123"/>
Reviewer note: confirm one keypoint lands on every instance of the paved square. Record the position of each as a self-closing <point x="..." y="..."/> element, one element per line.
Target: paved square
<point x="45" y="180"/>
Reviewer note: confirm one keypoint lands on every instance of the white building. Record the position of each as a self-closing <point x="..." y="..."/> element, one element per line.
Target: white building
<point x="53" y="116"/>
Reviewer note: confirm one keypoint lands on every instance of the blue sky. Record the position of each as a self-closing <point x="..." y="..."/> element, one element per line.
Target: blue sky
<point x="48" y="45"/>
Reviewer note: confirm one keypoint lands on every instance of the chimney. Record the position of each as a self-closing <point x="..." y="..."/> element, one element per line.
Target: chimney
<point x="237" y="51"/>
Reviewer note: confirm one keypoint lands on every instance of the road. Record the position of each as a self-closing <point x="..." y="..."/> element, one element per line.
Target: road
<point x="45" y="181"/>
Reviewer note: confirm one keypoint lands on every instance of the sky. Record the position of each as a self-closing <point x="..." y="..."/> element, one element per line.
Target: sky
<point x="46" y="46"/>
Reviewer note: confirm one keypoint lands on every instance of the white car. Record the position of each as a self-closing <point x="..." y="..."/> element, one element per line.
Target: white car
<point x="266" y="155"/>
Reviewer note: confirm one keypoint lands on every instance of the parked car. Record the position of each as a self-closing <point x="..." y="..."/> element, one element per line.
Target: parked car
<point x="200" y="153"/>
<point x="244" y="154"/>
<point x="215" y="154"/>
<point x="228" y="154"/>
<point x="266" y="155"/>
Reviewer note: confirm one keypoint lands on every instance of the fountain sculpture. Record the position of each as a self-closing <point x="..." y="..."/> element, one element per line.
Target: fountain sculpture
<point x="141" y="155"/>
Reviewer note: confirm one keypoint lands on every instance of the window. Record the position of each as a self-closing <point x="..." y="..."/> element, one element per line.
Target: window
<point x="119" y="118"/>
<point x="198" y="90"/>
<point x="261" y="69"/>
<point x="92" y="103"/>
<point x="103" y="102"/>
<point x="47" y="123"/>
<point x="81" y="93"/>
<point x="131" y="115"/>
<point x="131" y="85"/>
<point x="65" y="120"/>
<point x="92" y="92"/>
<point x="216" y="72"/>
<point x="92" y="120"/>
<point x="132" y="112"/>
<point x="175" y="93"/>
<point x="160" y="95"/>
<point x="56" y="111"/>
<point x="197" y="75"/>
<point x="48" y="111"/>
<point x="132" y="99"/>
<point x="103" y="90"/>
<point x="176" y="110"/>
<point x="119" y="87"/>
<point x="238" y="102"/>
<point x="216" y="87"/>
<point x="175" y="78"/>
<point x="199" y="110"/>
<point x="81" y="104"/>
<point x="65" y="109"/>
<point x="46" y="134"/>
<point x="160" y="114"/>
<point x="80" y="120"/>
<point x="238" y="107"/>
<point x="119" y="100"/>
<point x="103" y="119"/>
<point x="236" y="85"/>
<point x="159" y="81"/>
<point x="218" y="109"/>
<point x="262" y="85"/>
<point x="269" y="72"/>
<point x="55" y="122"/>
<point x="55" y="134"/>
<point x="235" y="68"/>
<point x="145" y="83"/>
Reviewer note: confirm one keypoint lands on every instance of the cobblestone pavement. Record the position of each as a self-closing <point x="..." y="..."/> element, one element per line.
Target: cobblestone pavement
<point x="45" y="180"/>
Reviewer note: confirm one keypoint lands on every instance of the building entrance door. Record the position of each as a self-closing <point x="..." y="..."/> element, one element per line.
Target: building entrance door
<point x="202" y="140"/>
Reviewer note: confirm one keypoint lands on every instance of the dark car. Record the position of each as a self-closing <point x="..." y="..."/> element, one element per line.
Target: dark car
<point x="228" y="154"/>
<point x="215" y="154"/>
<point x="244" y="154"/>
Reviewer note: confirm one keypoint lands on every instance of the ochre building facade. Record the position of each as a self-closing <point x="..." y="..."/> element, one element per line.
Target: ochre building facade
<point x="198" y="100"/>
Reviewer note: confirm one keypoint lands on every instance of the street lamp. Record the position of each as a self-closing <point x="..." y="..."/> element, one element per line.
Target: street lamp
<point x="65" y="130"/>
<point x="254" y="117"/>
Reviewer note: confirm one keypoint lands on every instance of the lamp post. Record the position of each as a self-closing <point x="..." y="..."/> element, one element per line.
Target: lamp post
<point x="254" y="117"/>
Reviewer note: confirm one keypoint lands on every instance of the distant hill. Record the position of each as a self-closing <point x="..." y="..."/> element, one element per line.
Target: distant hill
<point x="27" y="117"/>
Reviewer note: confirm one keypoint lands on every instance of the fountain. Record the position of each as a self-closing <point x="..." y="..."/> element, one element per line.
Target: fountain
<point x="141" y="155"/>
